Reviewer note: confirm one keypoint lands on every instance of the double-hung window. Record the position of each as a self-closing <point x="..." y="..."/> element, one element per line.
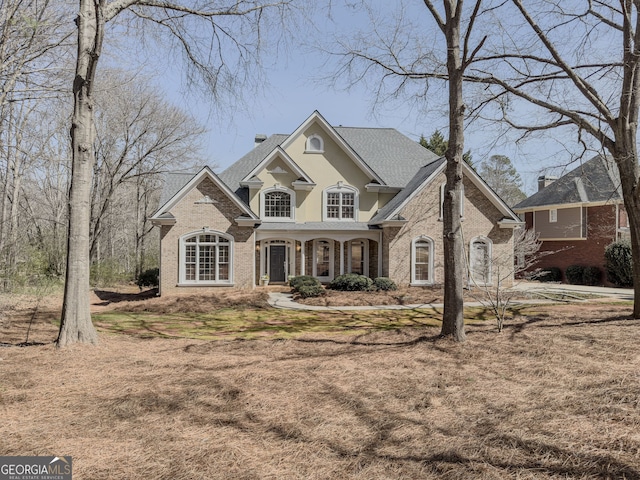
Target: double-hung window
<point x="340" y="203"/>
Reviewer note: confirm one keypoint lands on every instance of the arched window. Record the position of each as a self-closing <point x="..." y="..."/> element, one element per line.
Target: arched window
<point x="314" y="144"/>
<point x="278" y="204"/>
<point x="206" y="258"/>
<point x="480" y="261"/>
<point x="340" y="203"/>
<point x="422" y="261"/>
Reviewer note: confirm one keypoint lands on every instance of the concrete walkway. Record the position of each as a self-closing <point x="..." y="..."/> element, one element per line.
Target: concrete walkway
<point x="285" y="300"/>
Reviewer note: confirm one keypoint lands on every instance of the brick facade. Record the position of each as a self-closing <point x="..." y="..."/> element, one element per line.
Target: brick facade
<point x="601" y="231"/>
<point x="193" y="216"/>
<point x="422" y="214"/>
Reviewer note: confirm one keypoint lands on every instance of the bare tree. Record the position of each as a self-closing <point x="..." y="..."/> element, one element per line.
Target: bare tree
<point x="399" y="60"/>
<point x="139" y="135"/>
<point x="226" y="54"/>
<point x="576" y="65"/>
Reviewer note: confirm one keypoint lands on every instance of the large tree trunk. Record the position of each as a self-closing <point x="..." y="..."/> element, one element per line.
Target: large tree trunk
<point x="626" y="157"/>
<point x="75" y="324"/>
<point x="454" y="257"/>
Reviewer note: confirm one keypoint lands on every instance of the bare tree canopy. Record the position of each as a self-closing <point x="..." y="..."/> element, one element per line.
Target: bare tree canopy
<point x="572" y="65"/>
<point x="219" y="40"/>
<point x="404" y="60"/>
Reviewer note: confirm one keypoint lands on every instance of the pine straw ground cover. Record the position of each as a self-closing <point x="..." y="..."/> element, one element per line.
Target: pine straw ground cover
<point x="556" y="395"/>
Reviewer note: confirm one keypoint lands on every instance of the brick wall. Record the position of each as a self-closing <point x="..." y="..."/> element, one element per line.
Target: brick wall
<point x="422" y="213"/>
<point x="601" y="231"/>
<point x="191" y="217"/>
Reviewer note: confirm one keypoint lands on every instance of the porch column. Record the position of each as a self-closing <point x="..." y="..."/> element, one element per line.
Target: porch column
<point x="303" y="262"/>
<point x="341" y="257"/>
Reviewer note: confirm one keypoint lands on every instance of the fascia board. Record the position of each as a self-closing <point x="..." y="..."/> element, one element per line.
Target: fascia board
<point x="560" y="206"/>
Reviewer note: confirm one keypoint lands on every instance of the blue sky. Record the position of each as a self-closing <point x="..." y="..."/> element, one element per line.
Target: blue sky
<point x="295" y="90"/>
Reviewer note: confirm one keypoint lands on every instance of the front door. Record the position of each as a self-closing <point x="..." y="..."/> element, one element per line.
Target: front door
<point x="277" y="263"/>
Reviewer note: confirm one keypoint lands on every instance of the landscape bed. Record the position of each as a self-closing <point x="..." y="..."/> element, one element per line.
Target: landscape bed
<point x="556" y="395"/>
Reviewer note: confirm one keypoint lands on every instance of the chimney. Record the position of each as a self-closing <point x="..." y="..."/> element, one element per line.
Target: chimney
<point x="545" y="181"/>
<point x="260" y="137"/>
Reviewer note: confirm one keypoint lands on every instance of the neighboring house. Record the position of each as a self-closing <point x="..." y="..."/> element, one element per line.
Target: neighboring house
<point x="323" y="201"/>
<point x="577" y="215"/>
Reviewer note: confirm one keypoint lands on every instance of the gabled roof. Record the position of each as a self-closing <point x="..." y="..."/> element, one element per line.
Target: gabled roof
<point x="278" y="152"/>
<point x="393" y="157"/>
<point x="425" y="176"/>
<point x="596" y="180"/>
<point x="415" y="185"/>
<point x="315" y="117"/>
<point x="206" y="172"/>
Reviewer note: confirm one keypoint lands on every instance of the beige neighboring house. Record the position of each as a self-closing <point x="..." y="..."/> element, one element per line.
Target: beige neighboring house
<point x="323" y="201"/>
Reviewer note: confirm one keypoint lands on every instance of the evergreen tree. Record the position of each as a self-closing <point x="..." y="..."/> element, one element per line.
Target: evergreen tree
<point x="438" y="145"/>
<point x="502" y="177"/>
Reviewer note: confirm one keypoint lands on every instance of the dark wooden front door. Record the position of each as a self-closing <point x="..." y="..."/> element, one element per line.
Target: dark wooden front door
<point x="277" y="260"/>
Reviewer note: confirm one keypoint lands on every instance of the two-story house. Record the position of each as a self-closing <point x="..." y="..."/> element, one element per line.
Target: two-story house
<point x="323" y="201"/>
<point x="577" y="215"/>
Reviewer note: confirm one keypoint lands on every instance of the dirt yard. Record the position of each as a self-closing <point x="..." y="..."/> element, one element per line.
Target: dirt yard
<point x="556" y="395"/>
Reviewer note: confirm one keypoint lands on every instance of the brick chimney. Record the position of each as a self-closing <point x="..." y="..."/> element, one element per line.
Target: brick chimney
<point x="260" y="137"/>
<point x="545" y="181"/>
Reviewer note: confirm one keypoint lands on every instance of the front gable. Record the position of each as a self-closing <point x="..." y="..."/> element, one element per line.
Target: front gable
<point x="205" y="192"/>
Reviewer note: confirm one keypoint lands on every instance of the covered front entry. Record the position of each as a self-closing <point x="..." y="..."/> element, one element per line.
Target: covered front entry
<point x="277" y="263"/>
<point x="321" y="254"/>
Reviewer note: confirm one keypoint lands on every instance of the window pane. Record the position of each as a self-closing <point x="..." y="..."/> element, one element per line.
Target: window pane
<point x="357" y="257"/>
<point x="277" y="204"/>
<point x="191" y="240"/>
<point x="422" y="272"/>
<point x="322" y="259"/>
<point x="207" y="238"/>
<point x="206" y="263"/>
<point x="422" y="253"/>
<point x="190" y="262"/>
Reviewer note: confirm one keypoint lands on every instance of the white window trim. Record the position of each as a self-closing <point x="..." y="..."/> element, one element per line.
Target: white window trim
<point x="429" y="240"/>
<point x="278" y="188"/>
<point x="487" y="241"/>
<point x="553" y="215"/>
<point x="365" y="260"/>
<point x="308" y="149"/>
<point x="182" y="281"/>
<point x="341" y="188"/>
<point x="331" y="259"/>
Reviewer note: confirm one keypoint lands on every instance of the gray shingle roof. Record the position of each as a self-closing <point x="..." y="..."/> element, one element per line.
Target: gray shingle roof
<point x="424" y="173"/>
<point x="393" y="156"/>
<point x="596" y="180"/>
<point x="173" y="182"/>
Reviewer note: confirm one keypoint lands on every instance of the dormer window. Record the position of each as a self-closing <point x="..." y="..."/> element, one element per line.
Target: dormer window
<point x="315" y="144"/>
<point x="340" y="203"/>
<point x="278" y="204"/>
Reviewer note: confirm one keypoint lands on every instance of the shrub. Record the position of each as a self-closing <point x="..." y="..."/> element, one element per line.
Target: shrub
<point x="619" y="263"/>
<point x="591" y="276"/>
<point x="296" y="282"/>
<point x="575" y="274"/>
<point x="149" y="278"/>
<point x="385" y="284"/>
<point x="351" y="282"/>
<point x="551" y="274"/>
<point x="309" y="290"/>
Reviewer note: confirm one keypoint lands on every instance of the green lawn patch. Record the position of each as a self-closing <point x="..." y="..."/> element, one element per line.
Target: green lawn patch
<point x="248" y="323"/>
